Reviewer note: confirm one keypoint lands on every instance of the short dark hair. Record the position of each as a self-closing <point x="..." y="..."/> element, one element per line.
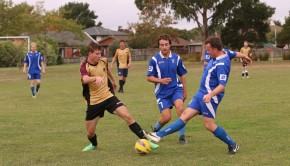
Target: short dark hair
<point x="93" y="46"/>
<point x="122" y="41"/>
<point x="215" y="42"/>
<point x="164" y="37"/>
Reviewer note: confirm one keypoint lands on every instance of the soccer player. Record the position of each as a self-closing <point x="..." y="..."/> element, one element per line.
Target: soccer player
<point x="35" y="63"/>
<point x="209" y="95"/>
<point x="123" y="56"/>
<point x="94" y="76"/>
<point x="246" y="50"/>
<point x="167" y="71"/>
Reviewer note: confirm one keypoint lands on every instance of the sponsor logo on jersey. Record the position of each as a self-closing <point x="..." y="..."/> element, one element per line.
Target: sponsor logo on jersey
<point x="150" y="68"/>
<point x="223" y="77"/>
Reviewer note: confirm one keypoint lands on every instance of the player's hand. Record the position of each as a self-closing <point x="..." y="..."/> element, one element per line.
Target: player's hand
<point x="129" y="65"/>
<point x="24" y="71"/>
<point x="99" y="80"/>
<point x="247" y="60"/>
<point x="166" y="80"/>
<point x="111" y="65"/>
<point x="114" y="85"/>
<point x="184" y="95"/>
<point x="43" y="72"/>
<point x="206" y="98"/>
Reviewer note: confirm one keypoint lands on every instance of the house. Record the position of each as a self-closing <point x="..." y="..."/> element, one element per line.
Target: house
<point x="105" y="37"/>
<point x="179" y="46"/>
<point x="69" y="43"/>
<point x="195" y="46"/>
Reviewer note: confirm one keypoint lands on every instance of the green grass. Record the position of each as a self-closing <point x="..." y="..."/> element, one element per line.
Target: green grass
<point x="50" y="130"/>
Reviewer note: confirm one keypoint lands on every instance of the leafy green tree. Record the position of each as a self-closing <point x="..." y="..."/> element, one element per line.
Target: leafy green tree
<point x="80" y="12"/>
<point x="9" y="54"/>
<point x="248" y="21"/>
<point x="284" y="36"/>
<point x="154" y="21"/>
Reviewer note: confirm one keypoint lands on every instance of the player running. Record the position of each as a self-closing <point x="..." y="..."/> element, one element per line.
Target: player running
<point x="167" y="71"/>
<point x="94" y="77"/>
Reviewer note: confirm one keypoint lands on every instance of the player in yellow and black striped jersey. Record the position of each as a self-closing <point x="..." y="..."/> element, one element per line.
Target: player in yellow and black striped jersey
<point x="246" y="50"/>
<point x="94" y="76"/>
<point x="123" y="56"/>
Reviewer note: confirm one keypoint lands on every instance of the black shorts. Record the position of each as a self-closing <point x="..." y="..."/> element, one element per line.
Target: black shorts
<point x="244" y="64"/>
<point x="111" y="104"/>
<point x="122" y="72"/>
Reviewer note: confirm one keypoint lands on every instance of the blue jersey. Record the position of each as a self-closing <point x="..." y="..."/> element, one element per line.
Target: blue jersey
<point x="171" y="67"/>
<point x="231" y="55"/>
<point x="216" y="73"/>
<point x="33" y="61"/>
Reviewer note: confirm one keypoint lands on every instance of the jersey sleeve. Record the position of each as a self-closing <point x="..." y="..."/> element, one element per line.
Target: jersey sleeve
<point x="152" y="68"/>
<point x="26" y="60"/>
<point x="231" y="54"/>
<point x="41" y="58"/>
<point x="83" y="69"/>
<point x="223" y="71"/>
<point x="181" y="70"/>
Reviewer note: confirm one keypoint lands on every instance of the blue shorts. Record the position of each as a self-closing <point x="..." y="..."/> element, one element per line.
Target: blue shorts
<point x="205" y="109"/>
<point x="34" y="76"/>
<point x="122" y="72"/>
<point x="165" y="102"/>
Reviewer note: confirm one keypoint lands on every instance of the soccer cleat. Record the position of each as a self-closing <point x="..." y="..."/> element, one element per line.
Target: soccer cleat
<point x="248" y="77"/>
<point x="120" y="91"/>
<point x="153" y="145"/>
<point x="33" y="96"/>
<point x="89" y="147"/>
<point x="152" y="136"/>
<point x="233" y="148"/>
<point x="182" y="140"/>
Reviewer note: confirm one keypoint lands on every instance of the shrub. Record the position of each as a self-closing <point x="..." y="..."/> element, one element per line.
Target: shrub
<point x="10" y="54"/>
<point x="265" y="56"/>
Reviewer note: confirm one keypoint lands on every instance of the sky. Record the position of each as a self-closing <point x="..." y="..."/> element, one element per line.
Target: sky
<point x="115" y="13"/>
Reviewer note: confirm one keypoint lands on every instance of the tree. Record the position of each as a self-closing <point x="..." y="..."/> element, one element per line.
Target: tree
<point x="155" y="20"/>
<point x="80" y="13"/>
<point x="190" y="10"/>
<point x="248" y="21"/>
<point x="284" y="36"/>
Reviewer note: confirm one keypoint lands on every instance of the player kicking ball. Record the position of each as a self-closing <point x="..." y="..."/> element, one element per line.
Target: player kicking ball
<point x="209" y="95"/>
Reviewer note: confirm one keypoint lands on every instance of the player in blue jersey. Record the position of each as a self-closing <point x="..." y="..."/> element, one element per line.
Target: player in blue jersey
<point x="206" y="59"/>
<point x="167" y="71"/>
<point x="209" y="95"/>
<point x="34" y="61"/>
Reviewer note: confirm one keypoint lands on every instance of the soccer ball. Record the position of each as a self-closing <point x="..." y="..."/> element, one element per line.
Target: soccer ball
<point x="142" y="146"/>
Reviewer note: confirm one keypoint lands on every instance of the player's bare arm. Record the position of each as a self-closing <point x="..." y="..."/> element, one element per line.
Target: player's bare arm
<point x="158" y="80"/>
<point x="183" y="81"/>
<point x="24" y="68"/>
<point x="113" y="60"/>
<point x="110" y="75"/>
<point x="86" y="79"/>
<point x="244" y="58"/>
<point x="216" y="91"/>
<point x="42" y="68"/>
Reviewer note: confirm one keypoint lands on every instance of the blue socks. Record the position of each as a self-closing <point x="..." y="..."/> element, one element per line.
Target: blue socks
<point x="32" y="90"/>
<point x="158" y="126"/>
<point x="173" y="127"/>
<point x="222" y="135"/>
<point x="182" y="131"/>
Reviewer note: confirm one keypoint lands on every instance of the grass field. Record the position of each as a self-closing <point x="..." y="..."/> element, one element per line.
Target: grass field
<point x="50" y="130"/>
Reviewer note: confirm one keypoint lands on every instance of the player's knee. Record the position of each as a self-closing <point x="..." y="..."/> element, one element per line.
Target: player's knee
<point x="166" y="119"/>
<point x="209" y="127"/>
<point x="90" y="133"/>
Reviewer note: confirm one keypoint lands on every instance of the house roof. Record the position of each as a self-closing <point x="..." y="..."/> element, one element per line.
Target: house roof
<point x="105" y="41"/>
<point x="179" y="42"/>
<point x="100" y="31"/>
<point x="69" y="38"/>
<point x="278" y="28"/>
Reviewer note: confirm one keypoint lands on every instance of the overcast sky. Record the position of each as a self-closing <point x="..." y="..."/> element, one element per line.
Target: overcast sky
<point x="114" y="13"/>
